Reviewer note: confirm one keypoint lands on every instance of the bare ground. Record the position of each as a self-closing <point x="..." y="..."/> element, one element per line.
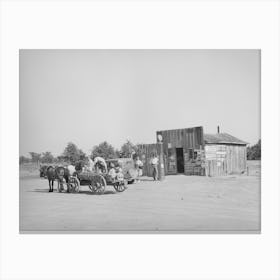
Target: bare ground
<point x="180" y="203"/>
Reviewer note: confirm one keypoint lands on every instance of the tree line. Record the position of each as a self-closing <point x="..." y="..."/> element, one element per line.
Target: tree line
<point x="72" y="154"/>
<point x="254" y="152"/>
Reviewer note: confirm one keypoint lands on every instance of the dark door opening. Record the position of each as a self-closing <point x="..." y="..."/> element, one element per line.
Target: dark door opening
<point x="180" y="160"/>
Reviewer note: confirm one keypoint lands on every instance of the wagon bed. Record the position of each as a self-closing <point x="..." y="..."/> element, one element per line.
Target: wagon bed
<point x="97" y="182"/>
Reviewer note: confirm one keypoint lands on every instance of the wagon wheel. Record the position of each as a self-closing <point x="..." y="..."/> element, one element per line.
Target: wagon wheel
<point x="75" y="184"/>
<point x="98" y="184"/>
<point x="120" y="186"/>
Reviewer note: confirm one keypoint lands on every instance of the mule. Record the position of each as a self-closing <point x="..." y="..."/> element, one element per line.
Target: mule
<point x="61" y="174"/>
<point x="51" y="175"/>
<point x="58" y="173"/>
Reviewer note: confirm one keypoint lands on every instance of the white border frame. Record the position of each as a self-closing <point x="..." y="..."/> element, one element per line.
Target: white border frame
<point x="154" y="24"/>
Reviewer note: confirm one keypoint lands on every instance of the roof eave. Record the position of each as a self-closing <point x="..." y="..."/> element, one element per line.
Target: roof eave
<point x="224" y="142"/>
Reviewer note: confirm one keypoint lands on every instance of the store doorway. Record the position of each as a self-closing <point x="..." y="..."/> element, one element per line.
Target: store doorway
<point x="180" y="160"/>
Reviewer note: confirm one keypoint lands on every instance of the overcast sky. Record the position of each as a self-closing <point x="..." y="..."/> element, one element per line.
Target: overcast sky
<point x="89" y="96"/>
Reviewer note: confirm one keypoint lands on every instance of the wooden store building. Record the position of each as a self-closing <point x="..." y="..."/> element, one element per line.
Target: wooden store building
<point x="189" y="151"/>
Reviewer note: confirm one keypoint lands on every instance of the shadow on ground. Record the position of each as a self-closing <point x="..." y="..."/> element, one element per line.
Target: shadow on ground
<point x="146" y="180"/>
<point x="64" y="192"/>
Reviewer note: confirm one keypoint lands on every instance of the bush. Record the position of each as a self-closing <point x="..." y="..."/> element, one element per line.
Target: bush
<point x="23" y="159"/>
<point x="47" y="157"/>
<point x="254" y="152"/>
<point x="35" y="157"/>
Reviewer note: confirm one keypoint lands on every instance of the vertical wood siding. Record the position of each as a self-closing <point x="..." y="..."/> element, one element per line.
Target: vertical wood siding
<point x="225" y="159"/>
<point x="188" y="139"/>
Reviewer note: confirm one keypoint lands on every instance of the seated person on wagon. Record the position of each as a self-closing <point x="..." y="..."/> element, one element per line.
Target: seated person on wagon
<point x="89" y="165"/>
<point x="115" y="171"/>
<point x="99" y="164"/>
<point x="112" y="171"/>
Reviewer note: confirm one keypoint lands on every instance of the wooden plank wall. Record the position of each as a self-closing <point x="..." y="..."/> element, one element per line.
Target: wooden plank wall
<point x="188" y="138"/>
<point x="225" y="159"/>
<point x="195" y="166"/>
<point x="236" y="159"/>
<point x="170" y="161"/>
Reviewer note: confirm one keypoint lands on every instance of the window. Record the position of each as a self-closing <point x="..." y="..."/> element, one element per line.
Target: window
<point x="192" y="154"/>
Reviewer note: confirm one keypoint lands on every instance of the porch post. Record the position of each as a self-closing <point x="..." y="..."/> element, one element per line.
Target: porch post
<point x="161" y="176"/>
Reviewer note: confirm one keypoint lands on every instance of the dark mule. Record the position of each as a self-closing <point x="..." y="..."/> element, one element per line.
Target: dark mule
<point x="58" y="173"/>
<point x="51" y="175"/>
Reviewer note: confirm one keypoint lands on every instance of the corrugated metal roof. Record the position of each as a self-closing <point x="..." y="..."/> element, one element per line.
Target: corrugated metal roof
<point x="222" y="138"/>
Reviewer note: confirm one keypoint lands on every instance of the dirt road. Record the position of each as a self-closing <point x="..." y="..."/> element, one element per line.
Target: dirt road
<point x="180" y="203"/>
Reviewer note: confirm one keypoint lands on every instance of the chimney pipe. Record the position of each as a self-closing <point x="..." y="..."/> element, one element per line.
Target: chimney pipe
<point x="218" y="129"/>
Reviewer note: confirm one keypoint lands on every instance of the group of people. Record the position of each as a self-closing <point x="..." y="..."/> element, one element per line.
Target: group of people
<point x="114" y="170"/>
<point x="139" y="167"/>
<point x="99" y="165"/>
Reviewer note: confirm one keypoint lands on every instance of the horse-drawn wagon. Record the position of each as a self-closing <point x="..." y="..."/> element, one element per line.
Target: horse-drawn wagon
<point x="96" y="182"/>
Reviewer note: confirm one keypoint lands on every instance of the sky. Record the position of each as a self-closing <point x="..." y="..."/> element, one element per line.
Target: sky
<point x="90" y="96"/>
